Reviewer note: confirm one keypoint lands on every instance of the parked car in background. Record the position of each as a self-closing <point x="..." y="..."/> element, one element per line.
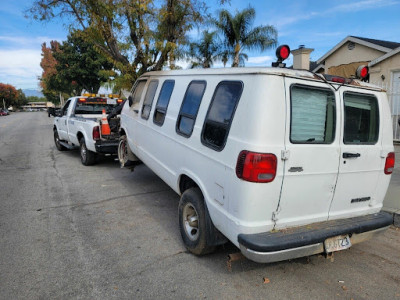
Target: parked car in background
<point x="4" y="112"/>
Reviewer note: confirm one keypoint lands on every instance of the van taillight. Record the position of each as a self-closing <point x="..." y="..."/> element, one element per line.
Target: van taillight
<point x="389" y="165"/>
<point x="256" y="167"/>
<point x="96" y="133"/>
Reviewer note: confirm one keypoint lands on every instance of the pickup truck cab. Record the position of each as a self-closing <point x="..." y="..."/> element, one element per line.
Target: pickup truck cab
<point x="283" y="163"/>
<point x="78" y="124"/>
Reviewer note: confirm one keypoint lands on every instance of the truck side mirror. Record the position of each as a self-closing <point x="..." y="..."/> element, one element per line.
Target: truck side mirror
<point x="130" y="100"/>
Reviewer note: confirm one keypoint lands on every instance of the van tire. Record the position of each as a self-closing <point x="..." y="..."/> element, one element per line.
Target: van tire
<point x="123" y="152"/>
<point x="87" y="157"/>
<point x="57" y="142"/>
<point x="192" y="222"/>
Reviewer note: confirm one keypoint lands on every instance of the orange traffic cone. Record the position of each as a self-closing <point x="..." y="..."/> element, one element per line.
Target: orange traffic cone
<point x="105" y="128"/>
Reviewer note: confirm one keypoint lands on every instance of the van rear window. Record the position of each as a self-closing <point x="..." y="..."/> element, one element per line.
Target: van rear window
<point x="313" y="115"/>
<point x="220" y="114"/>
<point x="361" y="119"/>
<point x="190" y="107"/>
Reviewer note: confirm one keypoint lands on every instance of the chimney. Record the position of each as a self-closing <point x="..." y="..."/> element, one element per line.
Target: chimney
<point x="301" y="58"/>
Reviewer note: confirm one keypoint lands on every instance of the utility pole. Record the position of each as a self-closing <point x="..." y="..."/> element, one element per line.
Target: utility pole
<point x="4" y="104"/>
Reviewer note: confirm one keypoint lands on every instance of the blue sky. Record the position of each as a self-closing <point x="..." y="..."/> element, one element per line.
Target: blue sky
<point x="316" y="24"/>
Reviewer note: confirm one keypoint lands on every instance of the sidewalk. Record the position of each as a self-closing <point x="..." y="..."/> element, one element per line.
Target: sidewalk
<point x="392" y="199"/>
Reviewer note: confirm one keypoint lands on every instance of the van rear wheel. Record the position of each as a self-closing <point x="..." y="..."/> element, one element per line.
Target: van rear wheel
<point x="192" y="222"/>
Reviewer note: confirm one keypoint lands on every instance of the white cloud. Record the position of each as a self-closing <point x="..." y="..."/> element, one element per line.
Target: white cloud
<point x="20" y="58"/>
<point x="260" y="60"/>
<point x="361" y="5"/>
<point x="27" y="42"/>
<point x="20" y="68"/>
<point x="342" y="8"/>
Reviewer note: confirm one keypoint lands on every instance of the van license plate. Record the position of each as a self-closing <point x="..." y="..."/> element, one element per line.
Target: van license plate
<point x="337" y="243"/>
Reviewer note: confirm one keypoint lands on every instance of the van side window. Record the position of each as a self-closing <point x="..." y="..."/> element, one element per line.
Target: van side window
<point x="163" y="101"/>
<point x="138" y="91"/>
<point x="313" y="115"/>
<point x="148" y="99"/>
<point x="220" y="114"/>
<point x="190" y="107"/>
<point x="361" y="119"/>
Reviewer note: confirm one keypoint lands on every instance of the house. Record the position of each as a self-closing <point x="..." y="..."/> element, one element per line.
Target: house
<point x="35" y="106"/>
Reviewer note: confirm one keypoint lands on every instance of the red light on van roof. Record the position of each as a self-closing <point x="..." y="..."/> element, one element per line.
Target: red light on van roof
<point x="338" y="79"/>
<point x="82" y="100"/>
<point x="256" y="167"/>
<point x="362" y="72"/>
<point x="282" y="52"/>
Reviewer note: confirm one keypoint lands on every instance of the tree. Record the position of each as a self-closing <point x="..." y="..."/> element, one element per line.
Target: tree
<point x="50" y="84"/>
<point x="21" y="99"/>
<point x="9" y="94"/>
<point x="205" y="51"/>
<point x="71" y="67"/>
<point x="80" y="65"/>
<point x="136" y="35"/>
<point x="240" y="35"/>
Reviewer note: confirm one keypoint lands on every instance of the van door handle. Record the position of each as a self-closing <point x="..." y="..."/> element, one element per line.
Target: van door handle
<point x="350" y="155"/>
<point x="136" y="111"/>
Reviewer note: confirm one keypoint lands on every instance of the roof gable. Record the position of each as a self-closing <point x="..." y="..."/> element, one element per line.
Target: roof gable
<point x="379" y="45"/>
<point x="383" y="57"/>
<point x="386" y="44"/>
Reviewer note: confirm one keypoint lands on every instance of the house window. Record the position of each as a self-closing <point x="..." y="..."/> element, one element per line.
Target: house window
<point x="361" y="119"/>
<point x="190" y="107"/>
<point x="220" y="114"/>
<point x="148" y="99"/>
<point x="313" y="115"/>
<point x="163" y="101"/>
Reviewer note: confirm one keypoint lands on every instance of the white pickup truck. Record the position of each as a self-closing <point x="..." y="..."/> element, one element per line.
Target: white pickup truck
<point x="78" y="124"/>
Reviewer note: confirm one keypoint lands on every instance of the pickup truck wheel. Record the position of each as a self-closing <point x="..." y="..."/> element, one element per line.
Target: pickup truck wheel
<point x="57" y="142"/>
<point x="87" y="157"/>
<point x="192" y="222"/>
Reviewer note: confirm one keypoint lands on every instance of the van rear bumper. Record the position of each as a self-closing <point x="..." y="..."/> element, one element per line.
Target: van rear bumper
<point x="309" y="240"/>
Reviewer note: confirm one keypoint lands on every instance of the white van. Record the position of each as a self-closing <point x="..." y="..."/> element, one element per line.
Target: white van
<point x="283" y="163"/>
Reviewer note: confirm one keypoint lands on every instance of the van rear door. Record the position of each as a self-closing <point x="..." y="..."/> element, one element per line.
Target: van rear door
<point x="311" y="156"/>
<point x="361" y="158"/>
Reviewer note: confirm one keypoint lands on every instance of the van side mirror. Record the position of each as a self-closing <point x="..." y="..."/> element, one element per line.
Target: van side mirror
<point x="130" y="100"/>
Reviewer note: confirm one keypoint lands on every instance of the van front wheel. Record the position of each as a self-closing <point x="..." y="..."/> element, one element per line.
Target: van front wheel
<point x="192" y="222"/>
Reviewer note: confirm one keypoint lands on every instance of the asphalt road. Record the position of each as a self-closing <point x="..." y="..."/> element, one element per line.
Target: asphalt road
<point x="73" y="232"/>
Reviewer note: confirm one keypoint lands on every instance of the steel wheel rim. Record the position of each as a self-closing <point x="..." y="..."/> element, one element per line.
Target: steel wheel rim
<point x="83" y="151"/>
<point x="56" y="138"/>
<point x="190" y="219"/>
<point x="122" y="152"/>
